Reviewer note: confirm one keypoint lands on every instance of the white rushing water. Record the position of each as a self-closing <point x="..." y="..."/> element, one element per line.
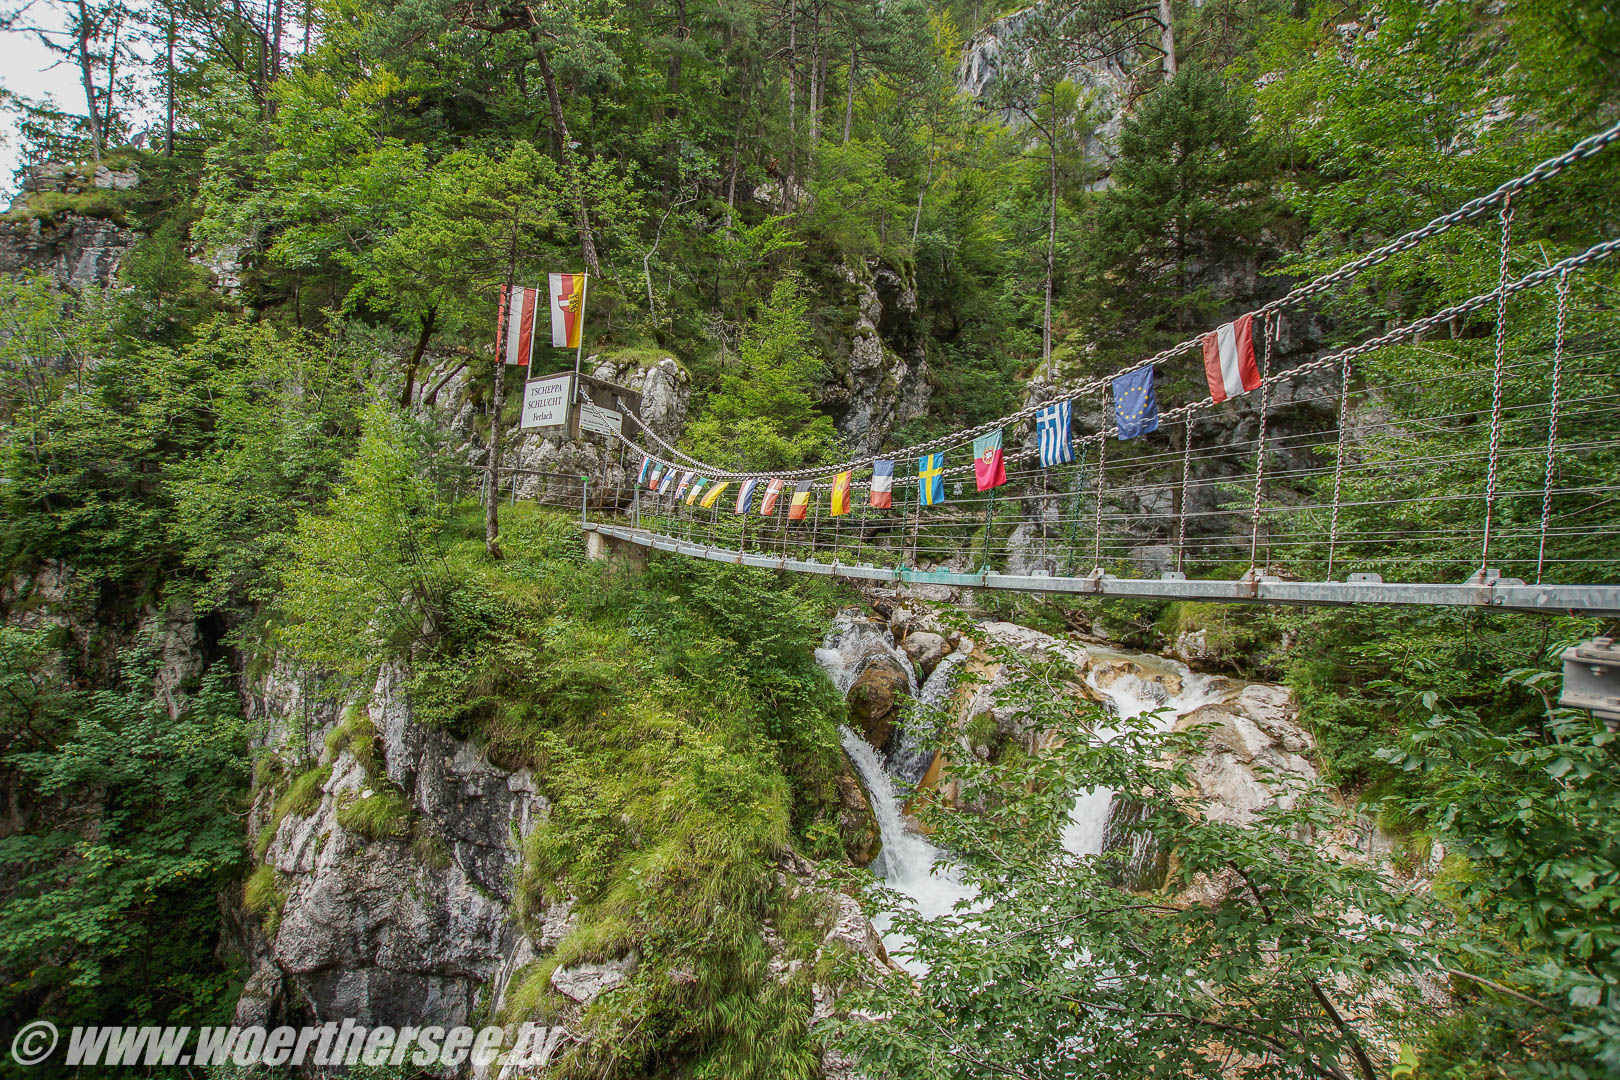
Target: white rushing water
<point x="1131" y="683"/>
<point x="1130" y="695"/>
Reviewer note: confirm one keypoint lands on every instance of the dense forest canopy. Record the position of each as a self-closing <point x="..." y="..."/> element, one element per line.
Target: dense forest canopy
<point x="245" y="421"/>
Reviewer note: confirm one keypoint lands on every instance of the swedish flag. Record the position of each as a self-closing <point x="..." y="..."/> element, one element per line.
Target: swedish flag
<point x="930" y="479"/>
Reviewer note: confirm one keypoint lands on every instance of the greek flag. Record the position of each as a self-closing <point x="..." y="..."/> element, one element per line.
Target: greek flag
<point x="1052" y="426"/>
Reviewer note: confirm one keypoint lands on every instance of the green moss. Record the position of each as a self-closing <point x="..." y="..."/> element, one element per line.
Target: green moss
<point x="48" y="207"/>
<point x="358" y="735"/>
<point x="265" y="897"/>
<point x="304" y="794"/>
<point x="375" y="813"/>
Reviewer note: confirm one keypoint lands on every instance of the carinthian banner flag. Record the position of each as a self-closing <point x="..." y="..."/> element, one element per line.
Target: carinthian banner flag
<point x="567" y="309"/>
<point x="646" y="464"/>
<point x="1052" y="430"/>
<point x="713" y="496"/>
<point x="1136" y="411"/>
<point x="989" y="470"/>
<point x="686" y="482"/>
<point x="800" y="506"/>
<point x="882" y="484"/>
<point x="1229" y="359"/>
<point x="519" y="307"/>
<point x="773" y="492"/>
<point x="930" y="479"/>
<point x="745" y="497"/>
<point x="840" y="494"/>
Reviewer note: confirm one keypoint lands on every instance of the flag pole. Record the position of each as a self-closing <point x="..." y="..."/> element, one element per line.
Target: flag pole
<point x="579" y="351"/>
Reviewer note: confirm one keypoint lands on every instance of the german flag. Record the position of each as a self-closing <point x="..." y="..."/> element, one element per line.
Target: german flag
<point x="801" y="501"/>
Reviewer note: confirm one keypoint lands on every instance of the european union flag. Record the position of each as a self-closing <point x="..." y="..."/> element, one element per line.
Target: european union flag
<point x="1135" y="408"/>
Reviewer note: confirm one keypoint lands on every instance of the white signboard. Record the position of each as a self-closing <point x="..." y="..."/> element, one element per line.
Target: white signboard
<point x="601" y="421"/>
<point x="545" y="401"/>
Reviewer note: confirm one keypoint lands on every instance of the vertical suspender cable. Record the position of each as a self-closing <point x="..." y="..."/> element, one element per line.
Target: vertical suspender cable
<point x="1268" y="330"/>
<point x="1552" y="422"/>
<point x="1496" y="379"/>
<point x="1338" y="462"/>
<point x="1102" y="469"/>
<point x="1186" y="472"/>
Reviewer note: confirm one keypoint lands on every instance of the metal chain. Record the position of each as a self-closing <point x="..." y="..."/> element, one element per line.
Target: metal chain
<point x="1267" y="331"/>
<point x="1586" y="148"/>
<point x="1496" y="379"/>
<point x="1338" y="462"/>
<point x="1595" y="253"/>
<point x="1552" y="422"/>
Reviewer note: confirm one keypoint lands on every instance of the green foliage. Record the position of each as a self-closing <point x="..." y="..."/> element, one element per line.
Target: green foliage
<point x="303" y="795"/>
<point x="1277" y="941"/>
<point x="264" y="896"/>
<point x="112" y="908"/>
<point x="763" y="410"/>
<point x="375" y="813"/>
<point x="365" y="580"/>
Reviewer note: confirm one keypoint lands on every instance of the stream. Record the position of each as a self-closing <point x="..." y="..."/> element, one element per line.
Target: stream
<point x="908" y="862"/>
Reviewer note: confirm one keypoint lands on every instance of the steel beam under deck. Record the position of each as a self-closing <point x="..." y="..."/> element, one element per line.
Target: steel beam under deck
<point x="1506" y="594"/>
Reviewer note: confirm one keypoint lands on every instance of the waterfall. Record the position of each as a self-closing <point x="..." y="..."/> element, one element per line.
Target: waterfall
<point x="910" y="756"/>
<point x="1127" y="696"/>
<point x="907" y="861"/>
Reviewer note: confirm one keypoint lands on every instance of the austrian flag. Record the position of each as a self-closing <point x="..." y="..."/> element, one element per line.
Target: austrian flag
<point x="518" y="309"/>
<point x="1229" y="359"/>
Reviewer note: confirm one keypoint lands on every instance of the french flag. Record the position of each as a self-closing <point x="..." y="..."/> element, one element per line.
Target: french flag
<point x="1229" y="359"/>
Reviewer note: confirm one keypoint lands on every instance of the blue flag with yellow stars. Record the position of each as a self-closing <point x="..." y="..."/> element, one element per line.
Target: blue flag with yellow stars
<point x="1135" y="408"/>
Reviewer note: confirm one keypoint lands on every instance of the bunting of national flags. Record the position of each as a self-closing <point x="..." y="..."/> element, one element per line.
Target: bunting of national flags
<point x="1229" y="366"/>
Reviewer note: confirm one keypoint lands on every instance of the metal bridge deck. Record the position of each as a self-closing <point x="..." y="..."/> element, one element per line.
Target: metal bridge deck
<point x="1504" y="594"/>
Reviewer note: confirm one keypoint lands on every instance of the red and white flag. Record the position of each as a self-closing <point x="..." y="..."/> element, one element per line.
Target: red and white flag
<point x="773" y="491"/>
<point x="519" y="307"/>
<point x="1229" y="359"/>
<point x="567" y="309"/>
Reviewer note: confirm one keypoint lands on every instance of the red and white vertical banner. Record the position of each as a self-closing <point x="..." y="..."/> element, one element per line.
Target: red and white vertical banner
<point x="567" y="309"/>
<point x="519" y="308"/>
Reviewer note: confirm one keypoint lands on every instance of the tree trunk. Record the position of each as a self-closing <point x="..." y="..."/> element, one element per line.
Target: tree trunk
<point x="428" y="319"/>
<point x="168" y="79"/>
<point x="1167" y="39"/>
<point x="492" y="471"/>
<point x="849" y="95"/>
<point x="1051" y="249"/>
<point x="112" y="75"/>
<point x="84" y="30"/>
<point x="582" y="216"/>
<point x="275" y="43"/>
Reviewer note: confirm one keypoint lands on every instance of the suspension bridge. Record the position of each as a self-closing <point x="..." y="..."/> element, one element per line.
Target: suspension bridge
<point x="1470" y="458"/>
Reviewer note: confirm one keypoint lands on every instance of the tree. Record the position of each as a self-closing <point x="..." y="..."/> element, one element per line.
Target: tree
<point x="1189" y="202"/>
<point x="762" y="413"/>
<point x="1260" y="945"/>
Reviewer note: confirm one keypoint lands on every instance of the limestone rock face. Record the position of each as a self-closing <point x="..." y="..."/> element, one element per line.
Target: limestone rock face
<point x="856" y="824"/>
<point x="886" y="384"/>
<point x="398" y="931"/>
<point x="1250" y="732"/>
<point x="77" y="252"/>
<point x="665" y="392"/>
<point x="584" y="983"/>
<point x="925" y="651"/>
<point x="875" y="700"/>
